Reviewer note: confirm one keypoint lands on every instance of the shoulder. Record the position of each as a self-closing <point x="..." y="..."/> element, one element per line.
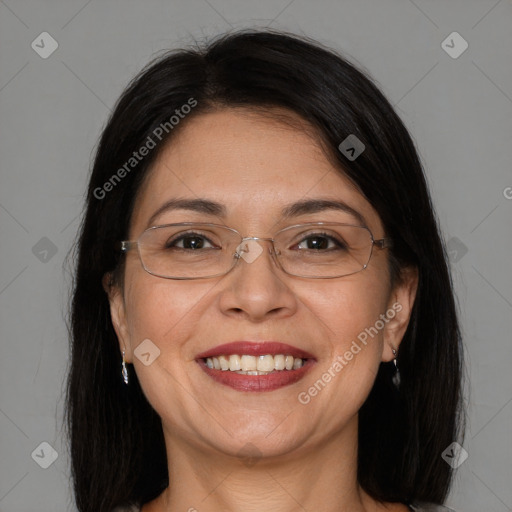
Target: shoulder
<point x="429" y="507"/>
<point x="128" y="508"/>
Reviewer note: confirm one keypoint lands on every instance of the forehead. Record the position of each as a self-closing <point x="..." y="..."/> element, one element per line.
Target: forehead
<point x="252" y="163"/>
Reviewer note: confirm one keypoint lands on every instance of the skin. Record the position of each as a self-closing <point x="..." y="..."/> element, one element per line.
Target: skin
<point x="305" y="456"/>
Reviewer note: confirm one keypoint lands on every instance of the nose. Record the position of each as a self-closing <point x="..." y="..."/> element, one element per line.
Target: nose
<point x="256" y="288"/>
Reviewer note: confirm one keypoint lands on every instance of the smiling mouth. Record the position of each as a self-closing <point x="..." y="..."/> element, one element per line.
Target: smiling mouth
<point x="252" y="378"/>
<point x="255" y="365"/>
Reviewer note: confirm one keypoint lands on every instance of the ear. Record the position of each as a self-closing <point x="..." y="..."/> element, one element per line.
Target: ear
<point x="399" y="311"/>
<point x="118" y="314"/>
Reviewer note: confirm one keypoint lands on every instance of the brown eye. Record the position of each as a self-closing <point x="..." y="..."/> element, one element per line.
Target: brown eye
<point x="189" y="241"/>
<point x="320" y="242"/>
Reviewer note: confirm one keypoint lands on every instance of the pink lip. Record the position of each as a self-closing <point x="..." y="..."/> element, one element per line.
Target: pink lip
<point x="268" y="382"/>
<point x="260" y="383"/>
<point x="251" y="348"/>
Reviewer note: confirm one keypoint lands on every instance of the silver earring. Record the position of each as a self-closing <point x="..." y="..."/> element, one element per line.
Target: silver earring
<point x="124" y="371"/>
<point x="396" y="376"/>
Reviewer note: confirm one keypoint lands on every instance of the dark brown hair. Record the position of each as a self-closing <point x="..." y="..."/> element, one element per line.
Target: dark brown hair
<point x="116" y="442"/>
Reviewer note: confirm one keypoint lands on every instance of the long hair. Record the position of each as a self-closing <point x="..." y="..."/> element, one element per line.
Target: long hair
<point x="117" y="446"/>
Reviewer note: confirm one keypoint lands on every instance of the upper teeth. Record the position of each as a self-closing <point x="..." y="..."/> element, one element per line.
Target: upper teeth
<point x="245" y="363"/>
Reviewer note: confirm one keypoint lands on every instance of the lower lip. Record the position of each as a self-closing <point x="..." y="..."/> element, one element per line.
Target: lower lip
<point x="268" y="382"/>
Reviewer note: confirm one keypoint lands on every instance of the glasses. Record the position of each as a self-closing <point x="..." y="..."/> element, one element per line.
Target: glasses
<point x="316" y="250"/>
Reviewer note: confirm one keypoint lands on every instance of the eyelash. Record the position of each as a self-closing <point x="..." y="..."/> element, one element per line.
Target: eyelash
<point x="183" y="236"/>
<point x="192" y="234"/>
<point x="324" y="235"/>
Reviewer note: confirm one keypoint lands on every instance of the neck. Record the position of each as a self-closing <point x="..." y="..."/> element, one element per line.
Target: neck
<point x="320" y="478"/>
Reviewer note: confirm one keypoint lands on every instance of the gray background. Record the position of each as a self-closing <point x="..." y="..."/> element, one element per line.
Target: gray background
<point x="459" y="111"/>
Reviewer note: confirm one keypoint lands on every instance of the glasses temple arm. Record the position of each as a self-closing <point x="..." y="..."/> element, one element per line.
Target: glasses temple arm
<point x="384" y="243"/>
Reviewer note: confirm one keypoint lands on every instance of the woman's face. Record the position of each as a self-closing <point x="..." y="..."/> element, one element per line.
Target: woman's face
<point x="254" y="167"/>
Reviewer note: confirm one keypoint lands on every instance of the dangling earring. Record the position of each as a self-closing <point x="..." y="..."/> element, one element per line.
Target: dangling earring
<point x="396" y="376"/>
<point x="124" y="371"/>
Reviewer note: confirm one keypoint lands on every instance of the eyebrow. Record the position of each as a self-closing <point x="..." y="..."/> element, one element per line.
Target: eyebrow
<point x="303" y="207"/>
<point x="195" y="205"/>
<point x="308" y="206"/>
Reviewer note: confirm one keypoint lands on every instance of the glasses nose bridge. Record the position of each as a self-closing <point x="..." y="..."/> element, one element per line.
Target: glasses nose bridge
<point x="242" y="248"/>
<point x="272" y="249"/>
<point x="257" y="238"/>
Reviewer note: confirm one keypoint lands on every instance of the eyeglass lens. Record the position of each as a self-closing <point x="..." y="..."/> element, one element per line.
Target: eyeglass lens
<point x="205" y="250"/>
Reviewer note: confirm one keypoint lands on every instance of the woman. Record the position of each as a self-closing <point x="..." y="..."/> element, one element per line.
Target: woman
<point x="263" y="317"/>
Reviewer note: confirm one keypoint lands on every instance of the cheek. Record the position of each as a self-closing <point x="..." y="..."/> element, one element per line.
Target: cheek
<point x="154" y="305"/>
<point x="348" y="307"/>
<point x="160" y="321"/>
<point x="164" y="313"/>
<point x="348" y="312"/>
